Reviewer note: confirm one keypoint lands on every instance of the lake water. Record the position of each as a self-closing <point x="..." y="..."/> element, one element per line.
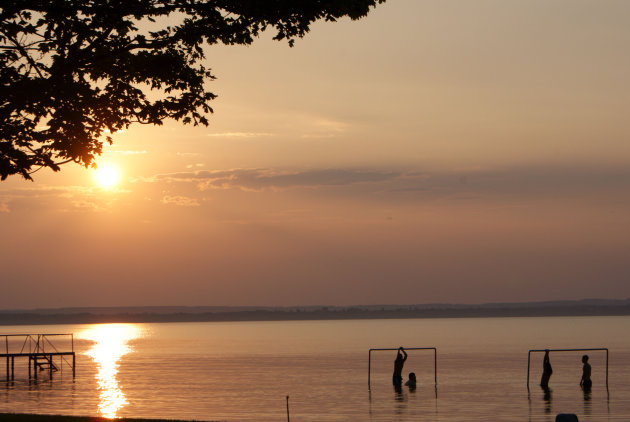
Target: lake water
<point x="243" y="371"/>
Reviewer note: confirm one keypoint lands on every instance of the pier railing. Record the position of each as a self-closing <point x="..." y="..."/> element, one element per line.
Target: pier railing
<point x="41" y="351"/>
<point x="406" y="348"/>
<point x="529" y="354"/>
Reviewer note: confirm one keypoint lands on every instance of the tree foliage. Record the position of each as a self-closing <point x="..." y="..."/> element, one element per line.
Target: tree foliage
<point x="72" y="72"/>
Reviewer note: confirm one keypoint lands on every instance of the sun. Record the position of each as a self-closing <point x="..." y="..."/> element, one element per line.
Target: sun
<point x="107" y="176"/>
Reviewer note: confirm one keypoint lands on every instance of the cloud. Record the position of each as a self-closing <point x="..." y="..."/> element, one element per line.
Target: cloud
<point x="61" y="198"/>
<point x="4" y="207"/>
<point x="47" y="191"/>
<point x="130" y="152"/>
<point x="85" y="204"/>
<point x="239" y="134"/>
<point x="263" y="179"/>
<point x="181" y="201"/>
<point x="454" y="184"/>
<point x="326" y="128"/>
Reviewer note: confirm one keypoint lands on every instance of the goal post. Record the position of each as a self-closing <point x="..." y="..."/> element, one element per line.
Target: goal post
<point x="529" y="355"/>
<point x="405" y="348"/>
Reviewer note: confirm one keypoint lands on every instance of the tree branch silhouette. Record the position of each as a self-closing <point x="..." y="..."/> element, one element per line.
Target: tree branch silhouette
<point x="72" y="72"/>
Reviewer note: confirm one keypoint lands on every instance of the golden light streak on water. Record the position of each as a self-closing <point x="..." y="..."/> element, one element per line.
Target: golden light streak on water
<point x="111" y="343"/>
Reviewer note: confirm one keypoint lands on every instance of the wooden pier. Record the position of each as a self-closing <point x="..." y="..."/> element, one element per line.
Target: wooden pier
<point x="40" y="353"/>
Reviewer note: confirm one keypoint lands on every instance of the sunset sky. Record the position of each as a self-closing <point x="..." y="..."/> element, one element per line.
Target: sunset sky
<point x="434" y="151"/>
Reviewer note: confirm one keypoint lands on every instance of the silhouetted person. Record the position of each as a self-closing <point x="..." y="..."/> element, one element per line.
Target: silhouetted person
<point x="547" y="371"/>
<point x="411" y="382"/>
<point x="586" y="382"/>
<point x="401" y="357"/>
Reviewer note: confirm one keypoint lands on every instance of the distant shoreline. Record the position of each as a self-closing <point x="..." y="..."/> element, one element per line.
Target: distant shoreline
<point x="226" y="314"/>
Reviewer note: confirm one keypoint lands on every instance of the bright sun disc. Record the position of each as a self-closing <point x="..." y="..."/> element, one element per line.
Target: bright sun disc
<point x="107" y="176"/>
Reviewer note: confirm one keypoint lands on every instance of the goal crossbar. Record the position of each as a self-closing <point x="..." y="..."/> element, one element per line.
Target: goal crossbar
<point x="406" y="348"/>
<point x="529" y="355"/>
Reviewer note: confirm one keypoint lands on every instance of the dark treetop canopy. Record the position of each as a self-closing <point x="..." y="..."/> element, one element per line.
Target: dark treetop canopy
<point x="74" y="71"/>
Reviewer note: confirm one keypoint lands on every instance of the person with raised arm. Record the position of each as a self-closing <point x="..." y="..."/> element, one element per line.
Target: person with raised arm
<point x="401" y="357"/>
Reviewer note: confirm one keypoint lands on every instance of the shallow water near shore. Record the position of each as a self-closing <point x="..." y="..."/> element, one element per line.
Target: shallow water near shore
<point x="243" y="371"/>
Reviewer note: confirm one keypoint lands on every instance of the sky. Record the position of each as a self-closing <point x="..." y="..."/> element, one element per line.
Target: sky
<point x="435" y="151"/>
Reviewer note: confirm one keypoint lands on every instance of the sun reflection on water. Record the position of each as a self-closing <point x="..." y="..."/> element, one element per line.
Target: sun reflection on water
<point x="111" y="343"/>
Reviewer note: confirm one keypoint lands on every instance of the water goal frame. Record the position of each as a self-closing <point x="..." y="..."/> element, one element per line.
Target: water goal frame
<point x="529" y="354"/>
<point x="405" y="348"/>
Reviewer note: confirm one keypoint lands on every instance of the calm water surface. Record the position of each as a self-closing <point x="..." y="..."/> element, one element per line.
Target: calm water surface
<point x="243" y="371"/>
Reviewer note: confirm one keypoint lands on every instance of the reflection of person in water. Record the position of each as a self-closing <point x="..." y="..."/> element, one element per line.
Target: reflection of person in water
<point x="586" y="382"/>
<point x="401" y="357"/>
<point x="547" y="399"/>
<point x="547" y="371"/>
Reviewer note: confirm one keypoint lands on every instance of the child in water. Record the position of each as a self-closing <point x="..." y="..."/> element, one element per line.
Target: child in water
<point x="412" y="380"/>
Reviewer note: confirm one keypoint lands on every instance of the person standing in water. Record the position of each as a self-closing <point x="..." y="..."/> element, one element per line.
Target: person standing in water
<point x="586" y="382"/>
<point x="401" y="357"/>
<point x="547" y="371"/>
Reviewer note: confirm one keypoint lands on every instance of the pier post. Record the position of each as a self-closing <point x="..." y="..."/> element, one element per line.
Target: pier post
<point x="50" y="365"/>
<point x="73" y="365"/>
<point x="29" y="368"/>
<point x="288" y="418"/>
<point x="12" y="368"/>
<point x="35" y="366"/>
<point x="7" y="368"/>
